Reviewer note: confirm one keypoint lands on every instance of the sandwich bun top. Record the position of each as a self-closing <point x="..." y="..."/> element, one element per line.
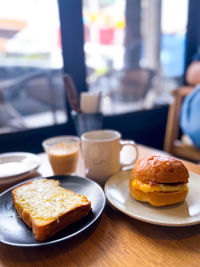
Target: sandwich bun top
<point x="160" y="169"/>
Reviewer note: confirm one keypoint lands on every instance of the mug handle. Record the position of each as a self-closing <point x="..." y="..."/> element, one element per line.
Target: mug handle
<point x="129" y="143"/>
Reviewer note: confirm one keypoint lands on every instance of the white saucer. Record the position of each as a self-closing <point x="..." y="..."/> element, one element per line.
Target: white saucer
<point x="17" y="165"/>
<point x="182" y="214"/>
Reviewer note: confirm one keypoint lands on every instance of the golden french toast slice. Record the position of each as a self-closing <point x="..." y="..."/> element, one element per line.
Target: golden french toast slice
<point x="47" y="208"/>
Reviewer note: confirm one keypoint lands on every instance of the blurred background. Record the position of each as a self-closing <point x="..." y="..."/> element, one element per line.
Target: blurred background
<point x="134" y="54"/>
<point x="134" y="51"/>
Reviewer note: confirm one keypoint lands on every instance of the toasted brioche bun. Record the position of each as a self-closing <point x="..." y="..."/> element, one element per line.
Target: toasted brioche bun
<point x="160" y="169"/>
<point x="158" y="199"/>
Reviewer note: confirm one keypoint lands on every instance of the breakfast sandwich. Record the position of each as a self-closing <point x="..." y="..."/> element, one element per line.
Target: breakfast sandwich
<point x="159" y="180"/>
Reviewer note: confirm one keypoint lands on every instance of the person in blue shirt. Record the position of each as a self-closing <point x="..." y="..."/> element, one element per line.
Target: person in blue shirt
<point x="190" y="112"/>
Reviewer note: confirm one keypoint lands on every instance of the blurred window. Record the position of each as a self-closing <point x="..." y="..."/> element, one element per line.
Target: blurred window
<point x="134" y="51"/>
<point x="31" y="88"/>
<point x="134" y="54"/>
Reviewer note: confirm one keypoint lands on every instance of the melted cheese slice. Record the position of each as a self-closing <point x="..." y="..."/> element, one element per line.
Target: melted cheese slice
<point x="139" y="185"/>
<point x="45" y="200"/>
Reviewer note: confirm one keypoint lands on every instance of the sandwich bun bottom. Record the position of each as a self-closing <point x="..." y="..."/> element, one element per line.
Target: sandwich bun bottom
<point x="158" y="199"/>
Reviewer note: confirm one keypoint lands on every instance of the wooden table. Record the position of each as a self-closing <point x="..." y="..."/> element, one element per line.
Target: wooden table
<point x="116" y="240"/>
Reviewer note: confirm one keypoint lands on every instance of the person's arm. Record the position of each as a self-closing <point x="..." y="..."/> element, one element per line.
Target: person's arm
<point x="193" y="73"/>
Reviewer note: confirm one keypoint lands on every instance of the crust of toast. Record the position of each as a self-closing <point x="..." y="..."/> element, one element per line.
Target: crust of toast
<point x="44" y="229"/>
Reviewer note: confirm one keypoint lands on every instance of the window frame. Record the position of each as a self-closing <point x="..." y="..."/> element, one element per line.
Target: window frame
<point x="193" y="33"/>
<point x="73" y="53"/>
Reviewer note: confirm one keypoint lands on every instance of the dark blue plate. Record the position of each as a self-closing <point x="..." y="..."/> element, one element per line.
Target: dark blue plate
<point x="13" y="231"/>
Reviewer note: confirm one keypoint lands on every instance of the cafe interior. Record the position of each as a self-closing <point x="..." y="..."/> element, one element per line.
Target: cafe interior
<point x="102" y="96"/>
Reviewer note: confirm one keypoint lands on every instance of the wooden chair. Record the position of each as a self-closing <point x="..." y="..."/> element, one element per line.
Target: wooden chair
<point x="174" y="145"/>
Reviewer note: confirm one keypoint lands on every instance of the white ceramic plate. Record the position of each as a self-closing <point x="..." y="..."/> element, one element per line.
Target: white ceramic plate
<point x="182" y="214"/>
<point x="17" y="165"/>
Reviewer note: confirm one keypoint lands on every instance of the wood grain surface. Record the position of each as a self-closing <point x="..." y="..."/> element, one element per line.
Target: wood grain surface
<point x="116" y="240"/>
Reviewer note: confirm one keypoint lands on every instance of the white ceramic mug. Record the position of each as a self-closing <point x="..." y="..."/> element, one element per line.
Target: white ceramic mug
<point x="101" y="153"/>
